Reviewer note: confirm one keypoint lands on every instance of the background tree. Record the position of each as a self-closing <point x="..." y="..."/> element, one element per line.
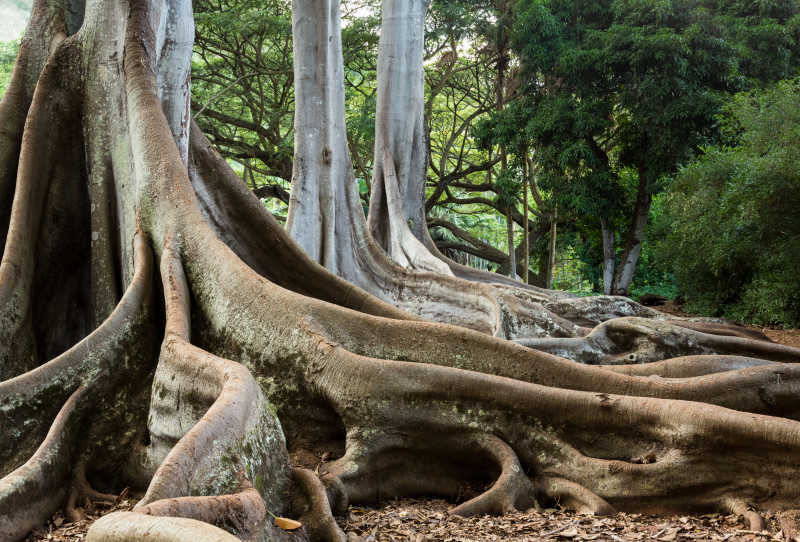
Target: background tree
<point x="604" y="79"/>
<point x="460" y="87"/>
<point x="243" y="88"/>
<point x="733" y="227"/>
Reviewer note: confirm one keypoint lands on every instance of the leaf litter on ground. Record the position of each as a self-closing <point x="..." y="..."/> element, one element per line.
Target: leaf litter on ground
<point x="428" y="520"/>
<point x="417" y="520"/>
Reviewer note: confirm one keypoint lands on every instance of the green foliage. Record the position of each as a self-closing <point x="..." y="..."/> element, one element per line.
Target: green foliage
<point x="620" y="92"/>
<point x="617" y="73"/>
<point x="242" y="70"/>
<point x="8" y="54"/>
<point x="598" y="93"/>
<point x="734" y="239"/>
<point x="507" y="186"/>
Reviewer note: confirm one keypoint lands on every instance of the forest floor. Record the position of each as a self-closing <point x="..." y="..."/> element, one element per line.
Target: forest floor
<point x="427" y="520"/>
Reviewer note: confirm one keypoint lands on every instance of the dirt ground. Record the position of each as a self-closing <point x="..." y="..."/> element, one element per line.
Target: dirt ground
<point x="418" y="520"/>
<point x="427" y="520"/>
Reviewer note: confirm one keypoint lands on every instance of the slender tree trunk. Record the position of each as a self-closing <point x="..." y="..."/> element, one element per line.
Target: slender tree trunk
<point x="320" y="150"/>
<point x="609" y="256"/>
<point x="248" y="176"/>
<point x="399" y="122"/>
<point x="512" y="264"/>
<point x="633" y="246"/>
<point x="525" y="228"/>
<point x="500" y="87"/>
<point x="551" y="253"/>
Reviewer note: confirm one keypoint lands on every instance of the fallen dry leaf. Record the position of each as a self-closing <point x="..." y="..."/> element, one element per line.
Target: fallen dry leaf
<point x="287" y="524"/>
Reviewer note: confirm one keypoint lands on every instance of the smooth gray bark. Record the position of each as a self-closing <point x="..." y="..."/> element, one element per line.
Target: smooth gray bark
<point x="399" y="122"/>
<point x="512" y="264"/>
<point x="175" y="37"/>
<point x="608" y="256"/>
<point x="399" y="116"/>
<point x="321" y="159"/>
<point x="633" y="247"/>
<point x="397" y="202"/>
<point x="551" y="253"/>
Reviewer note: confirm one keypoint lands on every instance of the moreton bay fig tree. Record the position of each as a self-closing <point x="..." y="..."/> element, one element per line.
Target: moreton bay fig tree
<point x="159" y="329"/>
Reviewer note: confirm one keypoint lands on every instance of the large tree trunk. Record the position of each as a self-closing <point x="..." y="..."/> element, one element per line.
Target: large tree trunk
<point x="321" y="151"/>
<point x="400" y="127"/>
<point x="256" y="350"/>
<point x="400" y="119"/>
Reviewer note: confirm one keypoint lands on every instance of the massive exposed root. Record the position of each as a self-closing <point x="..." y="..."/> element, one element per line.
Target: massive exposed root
<point x="133" y="527"/>
<point x="655" y="454"/>
<point x="93" y="371"/>
<point x="263" y="350"/>
<point x="638" y="340"/>
<point x="30" y="494"/>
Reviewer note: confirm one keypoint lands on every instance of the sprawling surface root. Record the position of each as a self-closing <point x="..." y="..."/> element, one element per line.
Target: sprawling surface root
<point x="639" y="340"/>
<point x="512" y="491"/>
<point x="242" y="513"/>
<point x="233" y="441"/>
<point x="655" y="454"/>
<point x="94" y="369"/>
<point x="133" y="527"/>
<point x="741" y="508"/>
<point x="403" y="406"/>
<point x="314" y="509"/>
<point x="691" y="366"/>
<point x="80" y="491"/>
<point x="30" y="494"/>
<point x="573" y="496"/>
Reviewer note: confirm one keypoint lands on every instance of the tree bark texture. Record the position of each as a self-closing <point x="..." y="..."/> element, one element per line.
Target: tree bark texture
<point x="633" y="246"/>
<point x="551" y="248"/>
<point x="222" y="347"/>
<point x="526" y="240"/>
<point x="512" y="264"/>
<point x="609" y="256"/>
<point x="400" y="127"/>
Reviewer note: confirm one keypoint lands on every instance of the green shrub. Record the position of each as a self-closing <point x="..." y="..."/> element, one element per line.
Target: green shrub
<point x="733" y="215"/>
